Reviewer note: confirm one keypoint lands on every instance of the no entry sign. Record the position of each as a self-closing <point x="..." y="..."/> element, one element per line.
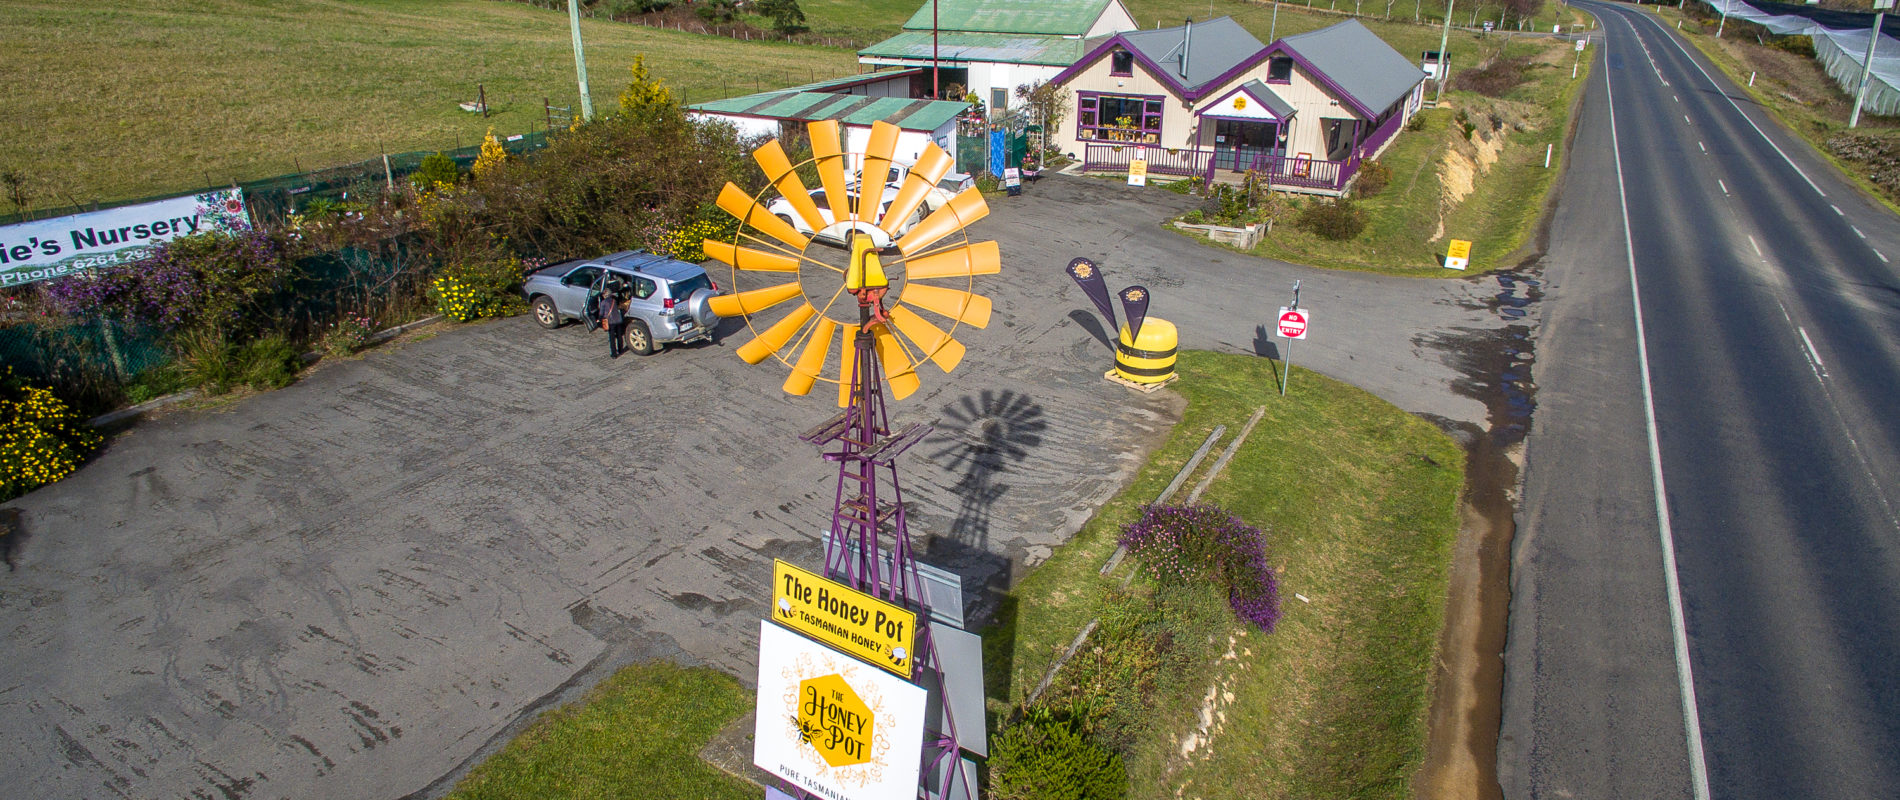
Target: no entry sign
<point x="1292" y="323"/>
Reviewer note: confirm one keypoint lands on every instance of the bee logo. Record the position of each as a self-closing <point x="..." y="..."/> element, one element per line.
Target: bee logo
<point x="806" y="730"/>
<point x="898" y="654"/>
<point x="785" y="608"/>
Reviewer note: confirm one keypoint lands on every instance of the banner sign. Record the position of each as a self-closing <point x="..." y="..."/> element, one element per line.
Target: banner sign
<point x="1458" y="255"/>
<point x="1090" y="279"/>
<point x="833" y="726"/>
<point x="50" y="248"/>
<point x="1135" y="309"/>
<point x="1138" y="172"/>
<point x="838" y="615"/>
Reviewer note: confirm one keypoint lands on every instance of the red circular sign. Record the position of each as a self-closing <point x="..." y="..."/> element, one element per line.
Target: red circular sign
<point x="1293" y="324"/>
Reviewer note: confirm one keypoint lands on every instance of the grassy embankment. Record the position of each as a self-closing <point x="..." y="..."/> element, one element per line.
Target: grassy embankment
<point x="1358" y="500"/>
<point x="1359" y="503"/>
<point x="1798" y="92"/>
<point x="132" y="98"/>
<point x="1489" y="188"/>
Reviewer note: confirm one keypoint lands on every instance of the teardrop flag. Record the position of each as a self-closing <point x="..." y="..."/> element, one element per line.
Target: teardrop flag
<point x="1135" y="305"/>
<point x="1089" y="277"/>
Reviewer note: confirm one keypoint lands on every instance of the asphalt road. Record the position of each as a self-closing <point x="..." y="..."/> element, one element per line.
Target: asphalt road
<point x="356" y="586"/>
<point x="1771" y="317"/>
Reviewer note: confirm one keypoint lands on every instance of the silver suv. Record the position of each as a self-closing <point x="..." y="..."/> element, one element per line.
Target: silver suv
<point x="670" y="301"/>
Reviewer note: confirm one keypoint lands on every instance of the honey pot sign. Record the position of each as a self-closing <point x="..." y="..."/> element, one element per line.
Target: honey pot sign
<point x="857" y="623"/>
<point x="832" y="725"/>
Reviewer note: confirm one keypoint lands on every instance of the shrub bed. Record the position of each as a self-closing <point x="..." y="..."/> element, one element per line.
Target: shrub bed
<point x="41" y="439"/>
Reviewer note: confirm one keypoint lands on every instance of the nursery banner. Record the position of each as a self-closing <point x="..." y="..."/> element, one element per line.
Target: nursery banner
<point x="50" y="248"/>
<point x="833" y="726"/>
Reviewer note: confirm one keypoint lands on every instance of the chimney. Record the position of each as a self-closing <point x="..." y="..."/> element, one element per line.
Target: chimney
<point x="1187" y="36"/>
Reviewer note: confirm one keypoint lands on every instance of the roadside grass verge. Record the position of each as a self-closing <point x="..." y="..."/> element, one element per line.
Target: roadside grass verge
<point x="637" y="734"/>
<point x="133" y="98"/>
<point x="1797" y="91"/>
<point x="1359" y="504"/>
<point x="1409" y="223"/>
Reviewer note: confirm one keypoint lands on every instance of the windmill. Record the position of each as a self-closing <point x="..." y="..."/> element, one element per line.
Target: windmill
<point x="910" y="285"/>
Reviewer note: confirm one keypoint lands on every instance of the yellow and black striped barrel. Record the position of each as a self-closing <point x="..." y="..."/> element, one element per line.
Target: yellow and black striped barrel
<point x="1149" y="358"/>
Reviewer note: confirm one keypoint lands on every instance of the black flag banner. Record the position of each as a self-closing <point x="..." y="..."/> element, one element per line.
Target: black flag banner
<point x="1089" y="277"/>
<point x="1135" y="306"/>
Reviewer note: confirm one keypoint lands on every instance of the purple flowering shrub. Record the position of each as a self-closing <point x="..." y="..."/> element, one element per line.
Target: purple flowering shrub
<point x="1179" y="545"/>
<point x="227" y="283"/>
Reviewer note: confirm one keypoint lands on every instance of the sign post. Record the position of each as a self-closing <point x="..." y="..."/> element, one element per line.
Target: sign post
<point x="1291" y="326"/>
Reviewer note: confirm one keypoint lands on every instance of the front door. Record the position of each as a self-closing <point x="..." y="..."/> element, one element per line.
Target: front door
<point x="1237" y="142"/>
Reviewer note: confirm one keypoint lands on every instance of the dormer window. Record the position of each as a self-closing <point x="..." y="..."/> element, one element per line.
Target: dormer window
<point x="1279" y="70"/>
<point x="1121" y="63"/>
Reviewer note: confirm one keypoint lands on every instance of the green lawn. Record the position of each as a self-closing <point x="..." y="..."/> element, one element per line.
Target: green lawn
<point x="1359" y="502"/>
<point x="637" y="734"/>
<point x="1403" y="234"/>
<point x="117" y="99"/>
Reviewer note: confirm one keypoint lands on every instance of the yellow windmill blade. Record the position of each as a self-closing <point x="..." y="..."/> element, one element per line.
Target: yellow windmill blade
<point x="829" y="158"/>
<point x="811" y="362"/>
<point x="748" y="259"/>
<point x="752" y="302"/>
<point x="778" y="169"/>
<point x="898" y="371"/>
<point x="966" y="208"/>
<point x="877" y="166"/>
<point x="965" y="307"/>
<point x="981" y="258"/>
<point x="741" y="205"/>
<point x="775" y="337"/>
<point x="931" y="166"/>
<point x="931" y="340"/>
<point x="848" y="365"/>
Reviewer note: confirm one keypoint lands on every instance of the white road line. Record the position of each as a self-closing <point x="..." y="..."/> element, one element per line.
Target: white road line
<point x="1751" y="243"/>
<point x="1883" y="257"/>
<point x="1718" y="182"/>
<point x="1685" y="118"/>
<point x="1685" y="678"/>
<point x="1857" y="232"/>
<point x="1820" y="369"/>
<point x="1699" y="144"/>
<point x="1675" y="98"/>
<point x="1837" y="210"/>
<point x="1732" y="103"/>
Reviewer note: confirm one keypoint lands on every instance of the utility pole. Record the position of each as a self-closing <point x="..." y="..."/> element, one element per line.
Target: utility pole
<point x="936" y="89"/>
<point x="1274" y="27"/>
<point x="1724" y="23"/>
<point x="580" y="59"/>
<point x="1866" y="70"/>
<point x="1444" y="41"/>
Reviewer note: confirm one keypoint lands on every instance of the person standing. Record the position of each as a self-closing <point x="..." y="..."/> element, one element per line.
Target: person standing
<point x="613" y="320"/>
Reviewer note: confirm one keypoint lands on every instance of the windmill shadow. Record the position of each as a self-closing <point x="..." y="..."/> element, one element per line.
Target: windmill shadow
<point x="981" y="435"/>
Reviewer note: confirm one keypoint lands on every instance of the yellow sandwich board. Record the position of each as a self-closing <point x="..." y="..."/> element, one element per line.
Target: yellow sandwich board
<point x="830" y="612"/>
<point x="1458" y="256"/>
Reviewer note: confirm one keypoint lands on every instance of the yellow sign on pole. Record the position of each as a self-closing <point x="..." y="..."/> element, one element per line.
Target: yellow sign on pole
<point x="838" y="615"/>
<point x="1459" y="256"/>
<point x="1138" y="172"/>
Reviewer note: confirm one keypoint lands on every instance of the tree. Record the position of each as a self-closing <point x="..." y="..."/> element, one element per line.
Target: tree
<point x="787" y="18"/>
<point x="1047" y="101"/>
<point x="645" y="96"/>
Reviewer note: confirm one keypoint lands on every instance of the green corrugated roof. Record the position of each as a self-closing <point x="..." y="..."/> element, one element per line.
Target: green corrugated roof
<point x="1043" y="17"/>
<point x="850" y="109"/>
<point x="1005" y="48"/>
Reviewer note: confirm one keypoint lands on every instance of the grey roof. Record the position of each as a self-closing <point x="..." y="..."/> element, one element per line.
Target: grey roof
<point x="1358" y="62"/>
<point x="1215" y="47"/>
<point x="1274" y="103"/>
<point x="1043" y="17"/>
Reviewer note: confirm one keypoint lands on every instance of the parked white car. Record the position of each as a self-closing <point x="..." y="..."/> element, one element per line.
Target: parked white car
<point x="840" y="232"/>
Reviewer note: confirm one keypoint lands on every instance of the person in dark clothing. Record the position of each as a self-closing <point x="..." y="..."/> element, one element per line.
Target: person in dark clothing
<point x="612" y="319"/>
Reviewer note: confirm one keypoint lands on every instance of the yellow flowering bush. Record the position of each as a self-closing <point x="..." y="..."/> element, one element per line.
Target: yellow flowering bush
<point x="688" y="243"/>
<point x="41" y="439"/>
<point x="466" y="291"/>
<point x="491" y="156"/>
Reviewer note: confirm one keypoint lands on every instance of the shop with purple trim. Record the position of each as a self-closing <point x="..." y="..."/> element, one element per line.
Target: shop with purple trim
<point x="1208" y="99"/>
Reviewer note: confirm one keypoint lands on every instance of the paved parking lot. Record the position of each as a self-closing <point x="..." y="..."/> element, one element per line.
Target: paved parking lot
<point x="351" y="587"/>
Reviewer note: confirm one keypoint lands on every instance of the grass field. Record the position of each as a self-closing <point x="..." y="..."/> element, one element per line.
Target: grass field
<point x="117" y="99"/>
<point x="637" y="734"/>
<point x="1358" y="500"/>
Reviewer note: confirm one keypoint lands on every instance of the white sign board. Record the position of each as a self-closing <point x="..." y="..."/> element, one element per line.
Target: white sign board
<point x="51" y="248"/>
<point x="833" y="725"/>
<point x="1138" y="172"/>
<point x="1581" y="42"/>
<point x="1293" y="322"/>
